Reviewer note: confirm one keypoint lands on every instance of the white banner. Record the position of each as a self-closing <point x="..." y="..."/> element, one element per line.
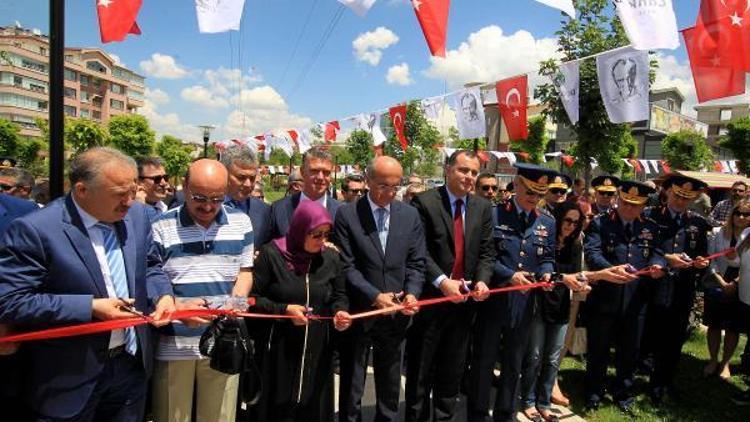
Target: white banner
<point x="360" y="7"/>
<point x="624" y="84"/>
<point x="304" y="140"/>
<point x="650" y="25"/>
<point x="219" y="15"/>
<point x="431" y="107"/>
<point x="568" y="81"/>
<point x="564" y="5"/>
<point x="627" y="162"/>
<point x="644" y="165"/>
<point x="467" y="104"/>
<point x="370" y="123"/>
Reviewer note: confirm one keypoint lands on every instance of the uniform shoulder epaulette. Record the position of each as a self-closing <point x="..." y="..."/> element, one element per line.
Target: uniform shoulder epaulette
<point x="545" y="211"/>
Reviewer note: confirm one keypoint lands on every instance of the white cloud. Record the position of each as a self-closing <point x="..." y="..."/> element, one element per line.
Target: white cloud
<point x="261" y="109"/>
<point x="116" y="59"/>
<point x="157" y="96"/>
<point x="489" y="55"/>
<point x="169" y="123"/>
<point x="204" y="97"/>
<point x="369" y="46"/>
<point x="399" y="75"/>
<point x="163" y="66"/>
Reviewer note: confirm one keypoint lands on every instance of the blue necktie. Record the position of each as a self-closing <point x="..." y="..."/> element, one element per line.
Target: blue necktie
<point x="382" y="229"/>
<point x="118" y="276"/>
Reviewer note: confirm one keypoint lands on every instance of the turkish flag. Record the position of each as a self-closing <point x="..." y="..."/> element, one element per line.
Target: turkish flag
<point x="636" y="165"/>
<point x="398" y="117"/>
<point x="728" y="24"/>
<point x="433" y="18"/>
<point x="293" y="134"/>
<point x="117" y="18"/>
<point x="332" y="129"/>
<point x="568" y="160"/>
<point x="665" y="167"/>
<point x="512" y="99"/>
<point x="712" y="63"/>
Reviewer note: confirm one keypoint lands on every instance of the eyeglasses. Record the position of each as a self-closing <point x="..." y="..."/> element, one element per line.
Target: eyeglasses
<point x="388" y="187"/>
<point x="156" y="179"/>
<point x="558" y="191"/>
<point x="742" y="214"/>
<point x="488" y="187"/>
<point x="570" y="221"/>
<point x="320" y="235"/>
<point x="202" y="199"/>
<point x="357" y="191"/>
<point x="532" y="193"/>
<point x="605" y="193"/>
<point x="4" y="187"/>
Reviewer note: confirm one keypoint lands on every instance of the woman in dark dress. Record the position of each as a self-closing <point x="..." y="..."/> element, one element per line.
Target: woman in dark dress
<point x="296" y="276"/>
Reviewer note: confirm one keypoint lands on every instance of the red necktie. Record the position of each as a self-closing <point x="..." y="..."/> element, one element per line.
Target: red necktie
<point x="458" y="242"/>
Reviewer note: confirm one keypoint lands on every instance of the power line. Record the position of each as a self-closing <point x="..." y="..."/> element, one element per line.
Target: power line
<point x="319" y="48"/>
<point x="296" y="44"/>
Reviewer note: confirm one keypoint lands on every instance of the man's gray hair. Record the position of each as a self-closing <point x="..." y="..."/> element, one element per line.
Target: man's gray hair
<point x="243" y="157"/>
<point x="144" y="162"/>
<point x="88" y="165"/>
<point x="316" y="153"/>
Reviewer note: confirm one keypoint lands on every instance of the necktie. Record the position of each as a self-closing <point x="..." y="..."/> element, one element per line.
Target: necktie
<point x="116" y="265"/>
<point x="524" y="220"/>
<point x="629" y="230"/>
<point x="382" y="229"/>
<point x="678" y="220"/>
<point x="458" y="242"/>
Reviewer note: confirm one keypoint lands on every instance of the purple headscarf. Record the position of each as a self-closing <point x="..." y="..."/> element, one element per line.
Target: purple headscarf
<point x="308" y="216"/>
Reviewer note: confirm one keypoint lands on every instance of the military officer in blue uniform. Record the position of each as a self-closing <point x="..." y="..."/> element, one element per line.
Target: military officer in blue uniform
<point x="684" y="237"/>
<point x="557" y="191"/>
<point x="606" y="190"/>
<point x="615" y="311"/>
<point x="524" y="239"/>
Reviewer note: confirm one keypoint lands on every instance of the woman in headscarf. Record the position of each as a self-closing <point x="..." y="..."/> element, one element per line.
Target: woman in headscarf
<point x="298" y="277"/>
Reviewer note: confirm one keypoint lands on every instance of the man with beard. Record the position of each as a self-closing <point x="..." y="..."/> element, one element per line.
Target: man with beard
<point x="721" y="212"/>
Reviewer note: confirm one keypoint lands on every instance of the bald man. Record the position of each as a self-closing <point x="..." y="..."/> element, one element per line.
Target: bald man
<point x="207" y="250"/>
<point x="383" y="251"/>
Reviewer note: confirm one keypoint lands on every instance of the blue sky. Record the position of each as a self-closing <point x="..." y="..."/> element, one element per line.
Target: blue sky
<point x="190" y="82"/>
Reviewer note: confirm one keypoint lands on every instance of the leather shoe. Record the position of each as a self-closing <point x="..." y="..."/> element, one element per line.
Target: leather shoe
<point x="626" y="406"/>
<point x="592" y="405"/>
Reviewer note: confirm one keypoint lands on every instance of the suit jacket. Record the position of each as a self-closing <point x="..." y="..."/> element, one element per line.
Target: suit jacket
<point x="49" y="275"/>
<point x="12" y="207"/>
<point x="260" y="216"/>
<point x="282" y="210"/>
<point x="479" y="254"/>
<point x="368" y="270"/>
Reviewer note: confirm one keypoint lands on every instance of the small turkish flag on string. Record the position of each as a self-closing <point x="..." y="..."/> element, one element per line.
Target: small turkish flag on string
<point x="332" y="129"/>
<point x="665" y="167"/>
<point x="712" y="62"/>
<point x="398" y="117"/>
<point x="512" y="99"/>
<point x="117" y="18"/>
<point x="293" y="134"/>
<point x="568" y="160"/>
<point x="433" y="18"/>
<point x="635" y="164"/>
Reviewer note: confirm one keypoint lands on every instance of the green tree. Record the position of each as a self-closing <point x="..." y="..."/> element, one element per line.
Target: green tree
<point x="175" y="154"/>
<point x="421" y="156"/>
<point x="9" y="138"/>
<point x="596" y="29"/>
<point x="82" y="134"/>
<point x="687" y="150"/>
<point x="131" y="134"/>
<point x="737" y="140"/>
<point x="29" y="150"/>
<point x="536" y="144"/>
<point x="470" y="144"/>
<point x="360" y="145"/>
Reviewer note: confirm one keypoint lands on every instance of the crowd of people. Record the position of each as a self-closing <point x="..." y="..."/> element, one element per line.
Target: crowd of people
<point x="614" y="268"/>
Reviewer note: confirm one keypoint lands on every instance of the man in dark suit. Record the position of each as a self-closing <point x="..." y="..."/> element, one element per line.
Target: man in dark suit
<point x="243" y="170"/>
<point x="458" y="233"/>
<point x="383" y="250"/>
<point x="524" y="240"/>
<point x="88" y="256"/>
<point x="11" y="208"/>
<point x="615" y="312"/>
<point x="317" y="166"/>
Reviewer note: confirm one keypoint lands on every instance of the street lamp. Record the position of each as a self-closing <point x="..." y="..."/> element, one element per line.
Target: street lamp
<point x="206" y="135"/>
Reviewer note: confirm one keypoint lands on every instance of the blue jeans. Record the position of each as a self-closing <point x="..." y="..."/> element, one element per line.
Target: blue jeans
<point x="541" y="363"/>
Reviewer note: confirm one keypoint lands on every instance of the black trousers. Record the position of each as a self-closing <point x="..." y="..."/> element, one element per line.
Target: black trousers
<point x="386" y="336"/>
<point x="671" y="323"/>
<point x="436" y="354"/>
<point x="625" y="332"/>
<point x="514" y="345"/>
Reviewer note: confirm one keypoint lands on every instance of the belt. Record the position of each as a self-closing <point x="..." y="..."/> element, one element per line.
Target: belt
<point x="116" y="351"/>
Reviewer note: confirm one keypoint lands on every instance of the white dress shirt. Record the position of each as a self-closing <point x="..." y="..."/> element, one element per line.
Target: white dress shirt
<point x="321" y="200"/>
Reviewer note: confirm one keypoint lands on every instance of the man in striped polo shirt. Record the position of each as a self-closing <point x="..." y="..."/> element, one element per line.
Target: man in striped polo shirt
<point x="207" y="250"/>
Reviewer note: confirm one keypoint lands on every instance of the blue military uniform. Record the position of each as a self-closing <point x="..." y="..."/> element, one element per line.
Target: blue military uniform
<point x="674" y="295"/>
<point x="616" y="312"/>
<point x="604" y="184"/>
<point x="524" y="242"/>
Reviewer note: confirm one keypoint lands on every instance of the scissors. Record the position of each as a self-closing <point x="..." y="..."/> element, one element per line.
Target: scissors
<point x="125" y="306"/>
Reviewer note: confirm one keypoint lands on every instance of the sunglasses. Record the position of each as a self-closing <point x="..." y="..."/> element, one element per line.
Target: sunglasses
<point x="320" y="235"/>
<point x="606" y="193"/>
<point x="488" y="187"/>
<point x="357" y="191"/>
<point x="202" y="199"/>
<point x="156" y="179"/>
<point x="558" y="191"/>
<point x="570" y="221"/>
<point x="4" y="187"/>
<point x="742" y="214"/>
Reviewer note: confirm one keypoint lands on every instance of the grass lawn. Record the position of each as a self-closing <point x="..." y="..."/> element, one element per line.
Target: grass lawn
<point x="702" y="399"/>
<point x="272" y="195"/>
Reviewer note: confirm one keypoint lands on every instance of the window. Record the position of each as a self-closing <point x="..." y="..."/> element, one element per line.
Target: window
<point x="670" y="104"/>
<point x="96" y="101"/>
<point x="17" y="80"/>
<point x="70" y="111"/>
<point x="71" y="75"/>
<point x="37" y="88"/>
<point x="22" y="101"/>
<point x="42" y="51"/>
<point x="31" y="65"/>
<point x="84" y="80"/>
<point x="96" y="82"/>
<point x="84" y="96"/>
<point x="70" y="92"/>
<point x="725" y="114"/>
<point x="97" y="115"/>
<point x="96" y="67"/>
<point x="116" y="104"/>
<point x="84" y="113"/>
<point x="117" y="89"/>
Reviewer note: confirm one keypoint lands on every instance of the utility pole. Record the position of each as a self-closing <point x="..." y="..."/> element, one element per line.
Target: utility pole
<point x="56" y="83"/>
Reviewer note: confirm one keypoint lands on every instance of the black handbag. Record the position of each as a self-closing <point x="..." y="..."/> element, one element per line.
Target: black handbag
<point x="227" y="343"/>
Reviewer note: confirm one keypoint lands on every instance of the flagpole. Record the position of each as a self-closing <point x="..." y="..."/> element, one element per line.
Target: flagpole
<point x="56" y="99"/>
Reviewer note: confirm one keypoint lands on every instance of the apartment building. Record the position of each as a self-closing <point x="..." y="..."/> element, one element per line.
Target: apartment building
<point x="96" y="87"/>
